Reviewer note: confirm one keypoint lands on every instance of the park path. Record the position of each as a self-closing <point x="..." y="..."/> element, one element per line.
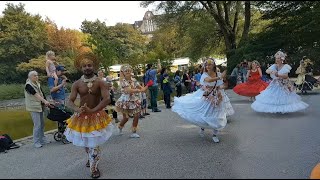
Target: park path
<point x="253" y="145"/>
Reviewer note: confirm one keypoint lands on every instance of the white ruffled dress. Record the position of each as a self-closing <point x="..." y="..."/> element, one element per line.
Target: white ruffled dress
<point x="195" y="109"/>
<point x="227" y="104"/>
<point x="279" y="96"/>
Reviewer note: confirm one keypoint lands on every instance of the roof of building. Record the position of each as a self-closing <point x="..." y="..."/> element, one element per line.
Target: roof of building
<point x="137" y="23"/>
<point x="148" y="15"/>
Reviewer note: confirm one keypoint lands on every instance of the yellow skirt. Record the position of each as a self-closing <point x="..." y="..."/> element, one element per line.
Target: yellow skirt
<point x="86" y="123"/>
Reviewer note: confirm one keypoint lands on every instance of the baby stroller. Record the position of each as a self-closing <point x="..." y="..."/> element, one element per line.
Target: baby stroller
<point x="59" y="115"/>
<point x="305" y="81"/>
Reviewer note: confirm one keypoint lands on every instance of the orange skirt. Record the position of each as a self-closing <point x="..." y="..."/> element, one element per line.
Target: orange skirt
<point x="86" y="123"/>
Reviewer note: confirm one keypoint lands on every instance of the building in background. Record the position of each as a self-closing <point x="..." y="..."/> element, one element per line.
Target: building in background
<point x="147" y="26"/>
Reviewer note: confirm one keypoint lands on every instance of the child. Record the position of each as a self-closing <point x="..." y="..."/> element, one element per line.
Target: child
<point x="167" y="90"/>
<point x="51" y="67"/>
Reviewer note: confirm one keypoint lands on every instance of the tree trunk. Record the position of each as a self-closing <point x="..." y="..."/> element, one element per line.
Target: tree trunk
<point x="222" y="19"/>
<point x="247" y="19"/>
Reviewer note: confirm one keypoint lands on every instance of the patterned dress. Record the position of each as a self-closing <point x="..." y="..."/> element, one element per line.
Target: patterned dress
<point x="129" y="103"/>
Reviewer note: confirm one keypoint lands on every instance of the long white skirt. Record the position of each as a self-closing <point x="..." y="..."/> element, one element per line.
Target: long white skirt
<point x="275" y="99"/>
<point x="227" y="104"/>
<point x="196" y="110"/>
<point x="90" y="140"/>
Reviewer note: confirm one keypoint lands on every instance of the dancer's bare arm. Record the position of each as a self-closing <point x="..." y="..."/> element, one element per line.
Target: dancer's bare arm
<point x="73" y="96"/>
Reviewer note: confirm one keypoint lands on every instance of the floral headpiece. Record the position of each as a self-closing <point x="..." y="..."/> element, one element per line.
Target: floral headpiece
<point x="281" y="54"/>
<point x="125" y="67"/>
<point x="208" y="61"/>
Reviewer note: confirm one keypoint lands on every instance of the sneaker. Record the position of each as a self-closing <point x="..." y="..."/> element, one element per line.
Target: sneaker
<point x="37" y="145"/>
<point x="156" y="110"/>
<point x="145" y="114"/>
<point x="88" y="164"/>
<point x="201" y="132"/>
<point x="141" y="116"/>
<point x="45" y="142"/>
<point x="215" y="139"/>
<point x="134" y="135"/>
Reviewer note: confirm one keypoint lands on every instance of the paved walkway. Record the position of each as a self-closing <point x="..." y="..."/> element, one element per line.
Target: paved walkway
<point x="253" y="145"/>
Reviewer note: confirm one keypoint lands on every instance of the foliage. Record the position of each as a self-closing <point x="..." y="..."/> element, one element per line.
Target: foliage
<point x="22" y="37"/>
<point x="292" y="27"/>
<point x="117" y="44"/>
<point x="64" y="41"/>
<point x="38" y="64"/>
<point x="226" y="15"/>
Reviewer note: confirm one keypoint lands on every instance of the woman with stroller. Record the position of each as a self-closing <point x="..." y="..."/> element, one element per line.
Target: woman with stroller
<point x="35" y="102"/>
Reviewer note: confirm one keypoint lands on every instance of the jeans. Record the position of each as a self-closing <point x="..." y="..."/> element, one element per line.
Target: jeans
<point x="179" y="91"/>
<point x="38" y="127"/>
<point x="154" y="94"/>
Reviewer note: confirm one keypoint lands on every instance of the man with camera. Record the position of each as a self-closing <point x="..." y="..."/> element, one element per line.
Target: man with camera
<point x="58" y="92"/>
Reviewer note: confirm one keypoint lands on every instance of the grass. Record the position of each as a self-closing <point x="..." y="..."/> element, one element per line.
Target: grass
<point x="16" y="91"/>
<point x="11" y="91"/>
<point x="18" y="123"/>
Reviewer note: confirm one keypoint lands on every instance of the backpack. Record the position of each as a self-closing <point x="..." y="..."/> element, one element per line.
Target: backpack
<point x="6" y="143"/>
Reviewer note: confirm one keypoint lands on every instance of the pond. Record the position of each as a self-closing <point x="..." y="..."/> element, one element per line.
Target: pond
<point x="18" y="123"/>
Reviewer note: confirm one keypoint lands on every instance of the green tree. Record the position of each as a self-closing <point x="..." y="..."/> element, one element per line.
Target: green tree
<point x="292" y="26"/>
<point x="64" y="41"/>
<point x="100" y="41"/>
<point x="22" y="37"/>
<point x="226" y="15"/>
<point x="38" y="64"/>
<point x="116" y="44"/>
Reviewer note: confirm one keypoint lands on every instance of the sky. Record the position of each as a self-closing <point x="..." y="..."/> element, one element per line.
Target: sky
<point x="70" y="14"/>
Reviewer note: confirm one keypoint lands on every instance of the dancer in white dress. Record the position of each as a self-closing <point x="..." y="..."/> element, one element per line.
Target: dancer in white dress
<point x="205" y="107"/>
<point x="280" y="95"/>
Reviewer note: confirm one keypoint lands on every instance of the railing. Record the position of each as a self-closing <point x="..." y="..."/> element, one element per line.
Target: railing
<point x="12" y="106"/>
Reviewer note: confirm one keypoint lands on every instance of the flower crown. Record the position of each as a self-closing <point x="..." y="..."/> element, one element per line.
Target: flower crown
<point x="125" y="67"/>
<point x="280" y="54"/>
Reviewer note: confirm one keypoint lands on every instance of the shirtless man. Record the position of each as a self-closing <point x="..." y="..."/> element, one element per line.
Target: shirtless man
<point x="90" y="126"/>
